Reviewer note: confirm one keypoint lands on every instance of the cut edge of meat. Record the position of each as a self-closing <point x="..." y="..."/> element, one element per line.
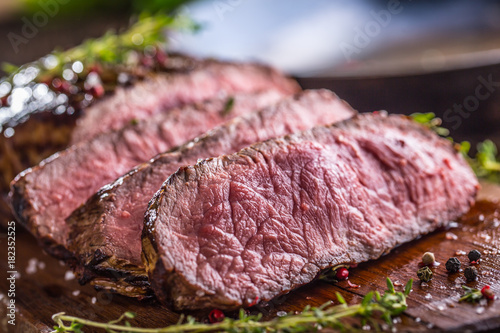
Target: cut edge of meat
<point x="124" y="105"/>
<point x="167" y="281"/>
<point x="94" y="264"/>
<point x="23" y="211"/>
<point x="26" y="205"/>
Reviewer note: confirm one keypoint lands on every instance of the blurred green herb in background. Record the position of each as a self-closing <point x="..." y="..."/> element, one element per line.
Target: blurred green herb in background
<point x="486" y="162"/>
<point x="93" y="7"/>
<point x="112" y="50"/>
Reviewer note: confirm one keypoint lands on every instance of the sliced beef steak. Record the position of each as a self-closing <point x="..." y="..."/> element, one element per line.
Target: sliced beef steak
<point x="45" y="123"/>
<point x="268" y="219"/>
<point x="42" y="197"/>
<point x="163" y="91"/>
<point x="106" y="230"/>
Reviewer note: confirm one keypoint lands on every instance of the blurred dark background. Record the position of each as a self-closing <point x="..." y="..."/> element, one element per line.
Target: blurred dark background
<point x="401" y="56"/>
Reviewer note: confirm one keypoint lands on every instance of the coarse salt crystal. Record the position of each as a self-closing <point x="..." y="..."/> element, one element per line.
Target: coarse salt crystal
<point x="69" y="275"/>
<point x="451" y="236"/>
<point x="281" y="313"/>
<point x="32" y="266"/>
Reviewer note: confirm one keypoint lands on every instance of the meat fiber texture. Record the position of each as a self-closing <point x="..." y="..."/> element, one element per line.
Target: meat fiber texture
<point x="42" y="197"/>
<point x="162" y="91"/>
<point x="270" y="218"/>
<point x="106" y="230"/>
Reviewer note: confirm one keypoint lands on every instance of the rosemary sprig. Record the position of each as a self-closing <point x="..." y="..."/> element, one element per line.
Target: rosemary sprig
<point x="486" y="162"/>
<point x="374" y="305"/>
<point x="471" y="295"/>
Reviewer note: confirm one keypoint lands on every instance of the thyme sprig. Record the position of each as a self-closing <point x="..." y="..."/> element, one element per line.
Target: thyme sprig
<point x="373" y="306"/>
<point x="486" y="162"/>
<point x="471" y="295"/>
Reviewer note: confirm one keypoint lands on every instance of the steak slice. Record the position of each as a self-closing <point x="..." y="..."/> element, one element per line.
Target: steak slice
<point x="106" y="230"/>
<point x="42" y="197"/>
<point x="270" y="218"/>
<point x="164" y="91"/>
<point x="46" y="120"/>
<point x="42" y="135"/>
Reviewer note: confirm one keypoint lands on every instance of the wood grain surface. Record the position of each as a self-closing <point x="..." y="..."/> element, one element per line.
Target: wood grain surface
<point x="45" y="286"/>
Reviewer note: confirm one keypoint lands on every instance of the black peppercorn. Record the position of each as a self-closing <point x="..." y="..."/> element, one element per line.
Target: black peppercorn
<point x="474" y="255"/>
<point x="424" y="274"/>
<point x="470" y="274"/>
<point x="453" y="265"/>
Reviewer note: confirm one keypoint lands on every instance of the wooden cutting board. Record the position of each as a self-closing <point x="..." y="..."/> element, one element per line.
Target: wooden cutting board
<point x="45" y="286"/>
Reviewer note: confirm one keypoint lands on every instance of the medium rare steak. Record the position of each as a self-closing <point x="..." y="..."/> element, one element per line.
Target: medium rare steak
<point x="43" y="124"/>
<point x="163" y="91"/>
<point x="270" y="218"/>
<point x="106" y="230"/>
<point x="42" y="197"/>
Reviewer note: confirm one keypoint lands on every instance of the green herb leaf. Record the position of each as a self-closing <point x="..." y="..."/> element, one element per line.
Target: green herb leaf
<point x="391" y="304"/>
<point x="408" y="287"/>
<point x="367" y="299"/>
<point x="471" y="295"/>
<point x="423" y="118"/>
<point x="340" y="298"/>
<point x="430" y="120"/>
<point x="390" y="286"/>
<point x="9" y="68"/>
<point x="228" y="107"/>
<point x="130" y="315"/>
